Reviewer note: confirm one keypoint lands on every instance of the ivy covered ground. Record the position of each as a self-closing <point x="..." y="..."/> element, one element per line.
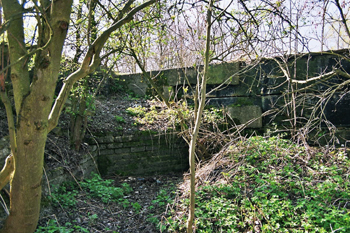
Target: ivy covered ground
<point x="269" y="185"/>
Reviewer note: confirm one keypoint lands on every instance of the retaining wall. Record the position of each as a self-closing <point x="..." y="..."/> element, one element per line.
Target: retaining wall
<point x="143" y="153"/>
<point x="263" y="85"/>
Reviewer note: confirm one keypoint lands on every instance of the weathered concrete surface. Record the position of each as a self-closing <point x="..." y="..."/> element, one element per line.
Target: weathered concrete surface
<point x="264" y="85"/>
<point x="140" y="154"/>
<point x="250" y="115"/>
<point x="218" y="74"/>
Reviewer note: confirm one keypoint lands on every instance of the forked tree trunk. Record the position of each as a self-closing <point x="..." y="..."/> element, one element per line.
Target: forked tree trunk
<point x="33" y="103"/>
<point x="31" y="135"/>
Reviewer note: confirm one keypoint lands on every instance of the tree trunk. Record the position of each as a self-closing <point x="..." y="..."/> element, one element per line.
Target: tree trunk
<point x="193" y="143"/>
<point x="78" y="122"/>
<point x="25" y="193"/>
<point x="26" y="184"/>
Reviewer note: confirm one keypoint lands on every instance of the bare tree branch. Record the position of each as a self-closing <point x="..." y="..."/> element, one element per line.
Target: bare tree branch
<point x="343" y="17"/>
<point x="329" y="74"/>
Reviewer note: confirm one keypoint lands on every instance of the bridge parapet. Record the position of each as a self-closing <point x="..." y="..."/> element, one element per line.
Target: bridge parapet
<point x="265" y="84"/>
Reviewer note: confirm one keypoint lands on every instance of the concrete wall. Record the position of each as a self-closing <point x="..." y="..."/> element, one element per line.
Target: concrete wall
<point x="262" y="85"/>
<point x="143" y="153"/>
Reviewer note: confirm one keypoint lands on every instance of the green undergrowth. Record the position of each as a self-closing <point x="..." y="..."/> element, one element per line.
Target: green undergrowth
<point x="174" y="115"/>
<point x="104" y="189"/>
<point x="66" y="195"/>
<point x="53" y="227"/>
<point x="164" y="198"/>
<point x="96" y="187"/>
<point x="269" y="185"/>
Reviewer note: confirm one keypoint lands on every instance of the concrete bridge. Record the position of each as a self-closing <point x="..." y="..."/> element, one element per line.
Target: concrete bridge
<point x="250" y="90"/>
